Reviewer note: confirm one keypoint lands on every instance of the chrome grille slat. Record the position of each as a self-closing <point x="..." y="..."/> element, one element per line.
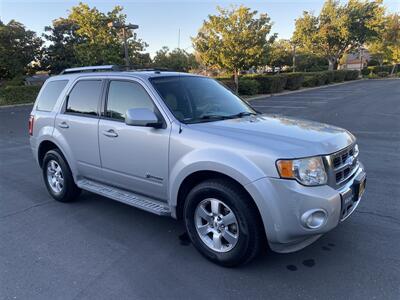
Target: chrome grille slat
<point x="342" y="166"/>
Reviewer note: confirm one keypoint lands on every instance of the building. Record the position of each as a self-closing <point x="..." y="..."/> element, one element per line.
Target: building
<point x="356" y="60"/>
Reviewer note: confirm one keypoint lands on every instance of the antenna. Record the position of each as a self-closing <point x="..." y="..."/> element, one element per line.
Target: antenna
<point x="179" y="38"/>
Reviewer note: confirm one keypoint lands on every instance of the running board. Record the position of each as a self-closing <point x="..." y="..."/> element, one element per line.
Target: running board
<point x="139" y="201"/>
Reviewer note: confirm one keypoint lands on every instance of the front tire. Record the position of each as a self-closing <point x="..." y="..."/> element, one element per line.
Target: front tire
<point x="223" y="222"/>
<point x="58" y="177"/>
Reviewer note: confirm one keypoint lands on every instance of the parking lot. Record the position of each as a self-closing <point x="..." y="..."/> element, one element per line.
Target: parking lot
<point x="97" y="248"/>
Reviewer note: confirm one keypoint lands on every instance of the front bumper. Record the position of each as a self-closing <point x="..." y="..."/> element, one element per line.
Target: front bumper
<point x="285" y="204"/>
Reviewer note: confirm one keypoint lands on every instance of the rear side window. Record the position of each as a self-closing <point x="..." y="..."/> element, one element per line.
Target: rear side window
<point x="50" y="94"/>
<point x="123" y="95"/>
<point x="84" y="97"/>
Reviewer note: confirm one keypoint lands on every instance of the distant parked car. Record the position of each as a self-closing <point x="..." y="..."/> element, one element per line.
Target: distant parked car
<point x="37" y="79"/>
<point x="184" y="146"/>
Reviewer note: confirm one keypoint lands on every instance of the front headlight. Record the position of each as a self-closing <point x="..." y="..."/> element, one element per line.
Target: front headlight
<point x="307" y="171"/>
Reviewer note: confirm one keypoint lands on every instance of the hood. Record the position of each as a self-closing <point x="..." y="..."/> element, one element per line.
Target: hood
<point x="286" y="137"/>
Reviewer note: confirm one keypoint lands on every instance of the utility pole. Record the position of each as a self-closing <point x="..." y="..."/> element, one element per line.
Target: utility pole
<point x="361" y="57"/>
<point x="125" y="48"/>
<point x="294" y="58"/>
<point x="124" y="28"/>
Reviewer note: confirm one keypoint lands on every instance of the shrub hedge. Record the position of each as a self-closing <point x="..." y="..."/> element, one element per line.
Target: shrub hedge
<point x="351" y="75"/>
<point x="289" y="81"/>
<point x="18" y="94"/>
<point x="248" y="86"/>
<point x="330" y="76"/>
<point x="268" y="83"/>
<point x="376" y="69"/>
<point x="339" y="75"/>
<point x="294" y="81"/>
<point x="227" y="81"/>
<point x="383" y="74"/>
<point x="310" y="81"/>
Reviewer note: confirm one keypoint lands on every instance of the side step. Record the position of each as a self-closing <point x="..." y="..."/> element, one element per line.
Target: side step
<point x="139" y="201"/>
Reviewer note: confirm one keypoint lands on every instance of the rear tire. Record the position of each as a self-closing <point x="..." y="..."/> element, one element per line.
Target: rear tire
<point x="223" y="222"/>
<point x="58" y="177"/>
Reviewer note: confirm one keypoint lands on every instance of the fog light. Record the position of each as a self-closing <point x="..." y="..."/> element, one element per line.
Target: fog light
<point x="314" y="218"/>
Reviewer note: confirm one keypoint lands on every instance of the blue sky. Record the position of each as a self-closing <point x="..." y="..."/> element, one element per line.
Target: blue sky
<point x="160" y="21"/>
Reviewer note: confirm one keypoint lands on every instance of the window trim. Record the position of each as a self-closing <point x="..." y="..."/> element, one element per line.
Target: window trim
<point x="99" y="100"/>
<point x="104" y="103"/>
<point x="59" y="95"/>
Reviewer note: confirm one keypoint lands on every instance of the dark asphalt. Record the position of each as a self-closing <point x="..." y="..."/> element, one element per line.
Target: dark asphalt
<point x="96" y="248"/>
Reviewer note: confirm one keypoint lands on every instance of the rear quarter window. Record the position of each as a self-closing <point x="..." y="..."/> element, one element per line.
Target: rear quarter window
<point x="49" y="95"/>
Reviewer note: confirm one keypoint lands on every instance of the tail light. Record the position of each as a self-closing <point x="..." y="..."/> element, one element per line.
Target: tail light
<point x="30" y="124"/>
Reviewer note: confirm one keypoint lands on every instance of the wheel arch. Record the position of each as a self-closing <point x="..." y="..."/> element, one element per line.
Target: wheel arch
<point x="44" y="147"/>
<point x="48" y="144"/>
<point x="196" y="177"/>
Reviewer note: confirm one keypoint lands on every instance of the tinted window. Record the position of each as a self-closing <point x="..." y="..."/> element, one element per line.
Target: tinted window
<point x="50" y="94"/>
<point x="123" y="95"/>
<point x="84" y="97"/>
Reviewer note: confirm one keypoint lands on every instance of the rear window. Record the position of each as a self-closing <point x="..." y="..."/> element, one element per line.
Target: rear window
<point x="48" y="97"/>
<point x="84" y="97"/>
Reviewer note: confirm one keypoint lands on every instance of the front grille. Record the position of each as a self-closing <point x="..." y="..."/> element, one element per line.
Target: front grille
<point x="344" y="164"/>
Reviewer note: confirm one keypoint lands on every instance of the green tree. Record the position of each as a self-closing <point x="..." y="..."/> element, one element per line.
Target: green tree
<point x="19" y="48"/>
<point x="385" y="48"/>
<point x="308" y="62"/>
<point x="234" y="40"/>
<point x="141" y="60"/>
<point x="392" y="36"/>
<point x="339" y="28"/>
<point x="177" y="59"/>
<point x="63" y="38"/>
<point x="100" y="43"/>
<point x="280" y="54"/>
<point x="85" y="38"/>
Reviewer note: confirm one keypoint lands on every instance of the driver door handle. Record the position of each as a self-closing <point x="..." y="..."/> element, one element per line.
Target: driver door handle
<point x="110" y="133"/>
<point x="63" y="124"/>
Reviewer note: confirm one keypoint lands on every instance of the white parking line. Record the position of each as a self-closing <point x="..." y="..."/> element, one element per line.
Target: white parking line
<point x="321" y="97"/>
<point x="278" y="106"/>
<point x="294" y="101"/>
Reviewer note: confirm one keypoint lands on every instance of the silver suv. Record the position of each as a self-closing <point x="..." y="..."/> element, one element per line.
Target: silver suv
<point x="184" y="146"/>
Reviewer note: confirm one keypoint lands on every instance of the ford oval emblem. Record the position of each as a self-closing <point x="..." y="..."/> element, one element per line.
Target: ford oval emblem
<point x="350" y="160"/>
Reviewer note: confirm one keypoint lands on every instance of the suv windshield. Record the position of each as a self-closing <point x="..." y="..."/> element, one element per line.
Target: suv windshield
<point x="199" y="99"/>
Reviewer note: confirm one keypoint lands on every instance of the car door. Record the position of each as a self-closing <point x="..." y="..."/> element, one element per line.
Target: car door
<point x="77" y="126"/>
<point x="133" y="157"/>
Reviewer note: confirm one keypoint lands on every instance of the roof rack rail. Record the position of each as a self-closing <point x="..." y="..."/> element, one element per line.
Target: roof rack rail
<point x="91" y="69"/>
<point x="152" y="69"/>
<point x="111" y="68"/>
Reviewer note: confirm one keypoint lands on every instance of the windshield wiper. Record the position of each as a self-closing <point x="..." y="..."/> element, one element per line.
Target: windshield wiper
<point x="242" y="114"/>
<point x="207" y="118"/>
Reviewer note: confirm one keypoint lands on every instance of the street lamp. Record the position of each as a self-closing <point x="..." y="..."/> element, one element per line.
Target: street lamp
<point x="124" y="28"/>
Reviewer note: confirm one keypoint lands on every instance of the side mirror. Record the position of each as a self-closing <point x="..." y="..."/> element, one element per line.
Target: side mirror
<point x="142" y="117"/>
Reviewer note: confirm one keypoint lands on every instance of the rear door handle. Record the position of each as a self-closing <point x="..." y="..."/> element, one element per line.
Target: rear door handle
<point x="110" y="133"/>
<point x="63" y="125"/>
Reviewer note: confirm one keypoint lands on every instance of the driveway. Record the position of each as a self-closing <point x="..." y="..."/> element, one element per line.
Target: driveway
<point x="97" y="248"/>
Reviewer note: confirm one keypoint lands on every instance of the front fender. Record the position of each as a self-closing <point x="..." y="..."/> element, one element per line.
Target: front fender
<point x="223" y="161"/>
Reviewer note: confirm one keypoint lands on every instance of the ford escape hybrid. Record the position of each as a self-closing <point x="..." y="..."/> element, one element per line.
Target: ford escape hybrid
<point x="184" y="146"/>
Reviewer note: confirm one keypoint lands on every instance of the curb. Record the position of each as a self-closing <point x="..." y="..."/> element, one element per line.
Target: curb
<point x="15" y="105"/>
<point x="302" y="90"/>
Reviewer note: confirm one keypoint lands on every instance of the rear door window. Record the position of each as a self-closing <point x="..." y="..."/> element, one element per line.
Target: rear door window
<point x="48" y="97"/>
<point x="84" y="97"/>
